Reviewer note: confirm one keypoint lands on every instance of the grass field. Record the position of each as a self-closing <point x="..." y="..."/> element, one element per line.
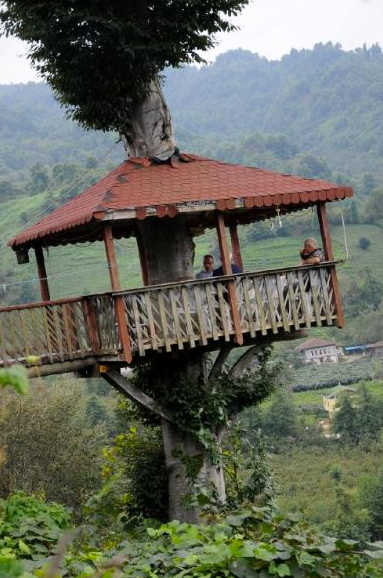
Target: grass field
<point x="303" y="475"/>
<point x="314" y="397"/>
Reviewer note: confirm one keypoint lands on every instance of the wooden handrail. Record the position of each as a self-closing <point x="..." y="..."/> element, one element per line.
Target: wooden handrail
<point x="229" y="277"/>
<point x="181" y="314"/>
<point x="172" y="284"/>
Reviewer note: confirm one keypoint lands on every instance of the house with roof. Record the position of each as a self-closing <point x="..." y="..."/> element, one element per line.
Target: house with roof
<point x="332" y="399"/>
<point x="317" y="350"/>
<point x="375" y="349"/>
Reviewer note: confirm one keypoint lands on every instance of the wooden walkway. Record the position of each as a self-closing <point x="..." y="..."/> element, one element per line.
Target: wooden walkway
<point x="168" y="317"/>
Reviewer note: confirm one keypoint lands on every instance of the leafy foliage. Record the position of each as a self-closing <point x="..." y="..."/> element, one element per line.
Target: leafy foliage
<point x="100" y="59"/>
<point x="246" y="544"/>
<point x="47" y="445"/>
<point x="362" y="421"/>
<point x="16" y="377"/>
<point x="30" y="527"/>
<point x="135" y="480"/>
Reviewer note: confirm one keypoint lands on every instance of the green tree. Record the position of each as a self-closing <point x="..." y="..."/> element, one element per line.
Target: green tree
<point x="373" y="207"/>
<point x="47" y="446"/>
<point x="369" y="416"/>
<point x="345" y="421"/>
<point x="95" y="410"/>
<point x="308" y="165"/>
<point x="102" y="58"/>
<point x="371" y="497"/>
<point x="280" y="418"/>
<point x="39" y="179"/>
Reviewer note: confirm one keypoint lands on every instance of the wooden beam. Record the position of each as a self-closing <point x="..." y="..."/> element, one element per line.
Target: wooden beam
<point x="327" y="249"/>
<point x="226" y="267"/>
<point x="90" y="316"/>
<point x="236" y="246"/>
<point x="142" y="257"/>
<point x="223" y="246"/>
<point x="61" y="367"/>
<point x="122" y="322"/>
<point x="111" y="258"/>
<point x="42" y="273"/>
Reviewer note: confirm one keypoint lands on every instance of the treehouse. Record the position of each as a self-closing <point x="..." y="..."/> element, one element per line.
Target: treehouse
<point x="163" y="205"/>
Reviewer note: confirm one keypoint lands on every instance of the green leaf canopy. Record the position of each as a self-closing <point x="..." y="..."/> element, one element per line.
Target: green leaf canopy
<point x="101" y="55"/>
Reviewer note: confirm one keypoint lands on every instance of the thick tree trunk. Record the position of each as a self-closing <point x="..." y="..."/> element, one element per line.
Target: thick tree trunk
<point x="168" y="249"/>
<point x="151" y="132"/>
<point x="167" y="253"/>
<point x="176" y="446"/>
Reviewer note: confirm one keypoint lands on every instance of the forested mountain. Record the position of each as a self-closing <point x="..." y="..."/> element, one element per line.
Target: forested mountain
<point x="326" y="100"/>
<point x="244" y="108"/>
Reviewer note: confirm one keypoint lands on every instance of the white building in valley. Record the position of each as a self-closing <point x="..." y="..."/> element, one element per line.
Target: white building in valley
<point x="318" y="350"/>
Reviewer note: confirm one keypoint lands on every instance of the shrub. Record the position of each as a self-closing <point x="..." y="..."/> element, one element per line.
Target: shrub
<point x="48" y="447"/>
<point x="30" y="527"/>
<point x="364" y="243"/>
<point x="247" y="544"/>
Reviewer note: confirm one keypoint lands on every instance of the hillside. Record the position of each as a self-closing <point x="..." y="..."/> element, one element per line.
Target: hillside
<point x="242" y="108"/>
<point x="326" y="100"/>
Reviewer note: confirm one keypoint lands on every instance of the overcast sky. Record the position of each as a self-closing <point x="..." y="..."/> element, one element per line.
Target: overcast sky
<point x="269" y="27"/>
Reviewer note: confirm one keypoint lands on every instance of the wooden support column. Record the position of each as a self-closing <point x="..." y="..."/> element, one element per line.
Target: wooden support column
<point x="143" y="258"/>
<point x="122" y="322"/>
<point x="327" y="249"/>
<point x="236" y="246"/>
<point x="226" y="267"/>
<point x="91" y="318"/>
<point x="42" y="273"/>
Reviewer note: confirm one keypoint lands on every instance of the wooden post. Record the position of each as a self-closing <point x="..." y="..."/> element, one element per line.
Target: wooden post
<point x="91" y="319"/>
<point x="236" y="246"/>
<point x="327" y="249"/>
<point x="42" y="273"/>
<point x="122" y="323"/>
<point x="226" y="267"/>
<point x="143" y="259"/>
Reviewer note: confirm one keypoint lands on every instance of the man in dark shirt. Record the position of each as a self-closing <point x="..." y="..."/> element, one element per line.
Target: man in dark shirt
<point x="234" y="269"/>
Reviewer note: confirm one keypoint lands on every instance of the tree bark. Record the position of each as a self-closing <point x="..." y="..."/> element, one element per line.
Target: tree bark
<point x="151" y="132"/>
<point x="167" y="252"/>
<point x="168" y="248"/>
<point x="177" y="445"/>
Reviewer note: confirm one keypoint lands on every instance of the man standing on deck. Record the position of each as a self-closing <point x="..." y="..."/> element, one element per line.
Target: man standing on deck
<point x="208" y="266"/>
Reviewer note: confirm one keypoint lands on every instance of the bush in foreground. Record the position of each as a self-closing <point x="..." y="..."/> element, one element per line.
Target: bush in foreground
<point x="248" y="544"/>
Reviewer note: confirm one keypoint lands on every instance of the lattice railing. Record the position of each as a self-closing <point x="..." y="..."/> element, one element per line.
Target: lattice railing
<point x="175" y="315"/>
<point x="196" y="312"/>
<point x="285" y="299"/>
<point x="56" y="331"/>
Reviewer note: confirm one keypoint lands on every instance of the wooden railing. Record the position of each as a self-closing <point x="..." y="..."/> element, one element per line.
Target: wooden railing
<point x="196" y="312"/>
<point x="176" y="315"/>
<point x="53" y="331"/>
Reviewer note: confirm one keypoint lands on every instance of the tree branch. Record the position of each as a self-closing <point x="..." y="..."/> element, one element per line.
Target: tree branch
<point x="220" y="361"/>
<point x="243" y="362"/>
<point x="127" y="388"/>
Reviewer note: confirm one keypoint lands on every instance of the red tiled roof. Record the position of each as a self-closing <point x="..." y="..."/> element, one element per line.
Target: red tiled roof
<point x="165" y="189"/>
<point x="313" y="343"/>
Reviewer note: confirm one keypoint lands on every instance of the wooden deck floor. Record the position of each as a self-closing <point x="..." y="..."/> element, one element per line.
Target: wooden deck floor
<point x="169" y="317"/>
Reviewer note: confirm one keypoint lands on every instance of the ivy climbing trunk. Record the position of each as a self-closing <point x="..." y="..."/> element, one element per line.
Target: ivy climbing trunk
<point x="188" y="467"/>
<point x="167" y="248"/>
